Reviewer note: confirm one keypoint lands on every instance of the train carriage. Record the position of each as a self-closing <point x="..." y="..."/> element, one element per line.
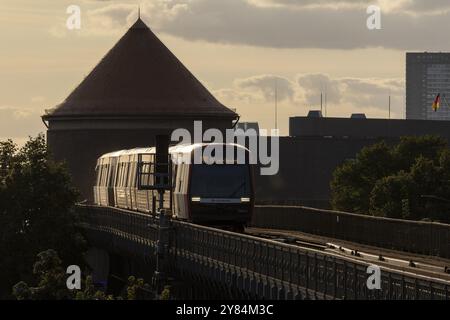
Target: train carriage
<point x="211" y="194"/>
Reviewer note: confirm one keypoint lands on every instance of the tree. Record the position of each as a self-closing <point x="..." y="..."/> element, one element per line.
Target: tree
<point x="354" y="180"/>
<point x="409" y="180"/>
<point x="388" y="196"/>
<point x="36" y="211"/>
<point x="51" y="277"/>
<point x="51" y="280"/>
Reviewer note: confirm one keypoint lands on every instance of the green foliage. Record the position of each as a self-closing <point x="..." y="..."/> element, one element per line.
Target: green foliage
<point x="51" y="280"/>
<point x="389" y="194"/>
<point x="51" y="284"/>
<point x="137" y="289"/>
<point x="410" y="180"/>
<point x="165" y="294"/>
<point x="36" y="211"/>
<point x="355" y="179"/>
<point x="90" y="293"/>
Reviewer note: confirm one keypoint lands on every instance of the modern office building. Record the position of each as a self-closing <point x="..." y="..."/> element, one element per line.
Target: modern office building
<point x="427" y="75"/>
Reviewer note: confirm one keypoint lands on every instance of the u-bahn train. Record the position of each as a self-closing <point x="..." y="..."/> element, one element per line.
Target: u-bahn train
<point x="208" y="194"/>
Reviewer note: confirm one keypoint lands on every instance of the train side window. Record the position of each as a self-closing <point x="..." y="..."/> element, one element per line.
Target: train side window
<point x="110" y="182"/>
<point x="130" y="170"/>
<point x="102" y="173"/>
<point x="147" y="176"/>
<point x="98" y="174"/>
<point x="127" y="172"/>
<point x="106" y="176"/>
<point x="119" y="171"/>
<point x="180" y="178"/>
<point x="132" y="174"/>
<point x="120" y="174"/>
<point x="116" y="173"/>
<point x="174" y="175"/>
<point x="122" y="183"/>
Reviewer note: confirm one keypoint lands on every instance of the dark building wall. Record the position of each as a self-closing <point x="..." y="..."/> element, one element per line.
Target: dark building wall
<point x="306" y="168"/>
<point x="318" y="145"/>
<point x="365" y="128"/>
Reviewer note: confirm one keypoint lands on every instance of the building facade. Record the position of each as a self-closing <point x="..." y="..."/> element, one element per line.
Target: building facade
<point x="427" y="75"/>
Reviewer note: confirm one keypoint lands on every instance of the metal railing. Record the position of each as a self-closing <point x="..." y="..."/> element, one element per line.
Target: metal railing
<point x="428" y="238"/>
<point x="267" y="268"/>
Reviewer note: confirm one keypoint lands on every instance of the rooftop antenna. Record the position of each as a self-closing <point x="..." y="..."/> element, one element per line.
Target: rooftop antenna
<point x="139" y="11"/>
<point x="389" y="104"/>
<point x="321" y="101"/>
<point x="276" y="104"/>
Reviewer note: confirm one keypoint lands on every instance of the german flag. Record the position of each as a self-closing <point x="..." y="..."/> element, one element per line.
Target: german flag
<point x="437" y="102"/>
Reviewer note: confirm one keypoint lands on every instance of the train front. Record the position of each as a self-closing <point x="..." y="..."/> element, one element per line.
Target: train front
<point x="222" y="194"/>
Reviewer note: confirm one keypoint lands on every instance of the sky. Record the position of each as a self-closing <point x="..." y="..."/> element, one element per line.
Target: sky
<point x="238" y="49"/>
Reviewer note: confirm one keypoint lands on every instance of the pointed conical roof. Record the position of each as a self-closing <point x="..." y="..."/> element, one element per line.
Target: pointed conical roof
<point x="140" y="77"/>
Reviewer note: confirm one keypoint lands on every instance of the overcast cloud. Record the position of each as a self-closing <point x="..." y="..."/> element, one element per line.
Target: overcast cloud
<point x="305" y="89"/>
<point x="19" y="123"/>
<point x="341" y="24"/>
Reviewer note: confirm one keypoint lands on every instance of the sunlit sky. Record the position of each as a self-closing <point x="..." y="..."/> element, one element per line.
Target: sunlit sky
<point x="237" y="48"/>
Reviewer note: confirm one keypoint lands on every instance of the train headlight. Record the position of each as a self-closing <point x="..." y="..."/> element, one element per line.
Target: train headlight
<point x="245" y="199"/>
<point x="196" y="199"/>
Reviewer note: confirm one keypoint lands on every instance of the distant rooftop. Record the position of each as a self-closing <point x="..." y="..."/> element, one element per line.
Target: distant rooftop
<point x="358" y="126"/>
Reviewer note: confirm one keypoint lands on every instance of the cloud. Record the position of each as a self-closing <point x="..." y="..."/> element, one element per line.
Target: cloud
<point x="326" y="24"/>
<point x="355" y="94"/>
<point x="235" y="95"/>
<point x="265" y="85"/>
<point x="358" y="93"/>
<point x="312" y="85"/>
<point x="19" y="122"/>
<point x="111" y="16"/>
<point x="372" y="92"/>
<point x="409" y="6"/>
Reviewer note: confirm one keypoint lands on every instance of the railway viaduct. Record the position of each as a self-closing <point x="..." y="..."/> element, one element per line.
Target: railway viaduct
<point x="217" y="264"/>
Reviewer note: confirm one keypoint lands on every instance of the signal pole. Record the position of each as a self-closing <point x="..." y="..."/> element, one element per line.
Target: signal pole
<point x="163" y="183"/>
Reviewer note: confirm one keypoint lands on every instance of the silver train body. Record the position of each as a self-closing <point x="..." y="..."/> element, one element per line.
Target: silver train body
<point x="216" y="194"/>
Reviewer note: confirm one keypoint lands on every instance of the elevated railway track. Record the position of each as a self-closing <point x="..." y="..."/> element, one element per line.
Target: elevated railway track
<point x="254" y="266"/>
<point x="402" y="261"/>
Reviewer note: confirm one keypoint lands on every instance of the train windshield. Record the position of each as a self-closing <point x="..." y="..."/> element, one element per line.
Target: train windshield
<point x="220" y="181"/>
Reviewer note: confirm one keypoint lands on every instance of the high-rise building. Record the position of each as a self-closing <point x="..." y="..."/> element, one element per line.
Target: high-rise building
<point x="427" y="75"/>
